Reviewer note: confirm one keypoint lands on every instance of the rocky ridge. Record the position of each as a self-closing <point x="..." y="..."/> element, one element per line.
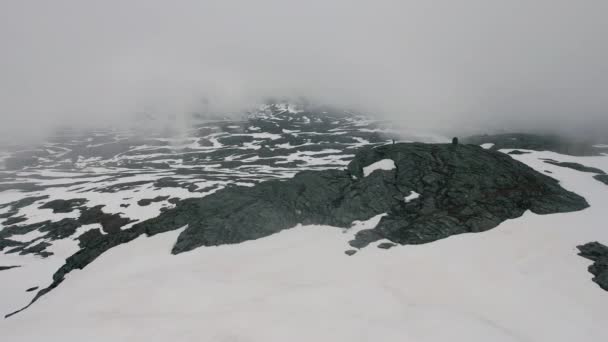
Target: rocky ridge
<point x="461" y="188"/>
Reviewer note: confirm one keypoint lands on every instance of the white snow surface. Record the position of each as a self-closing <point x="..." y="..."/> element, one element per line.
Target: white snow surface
<point x="487" y="146"/>
<point x="384" y="164"/>
<point x="522" y="281"/>
<point x="412" y="196"/>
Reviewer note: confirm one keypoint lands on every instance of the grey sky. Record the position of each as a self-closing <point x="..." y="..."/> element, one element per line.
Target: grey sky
<point x="468" y="64"/>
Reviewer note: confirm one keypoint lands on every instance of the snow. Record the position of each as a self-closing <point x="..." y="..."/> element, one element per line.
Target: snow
<point x="384" y="164"/>
<point x="288" y="131"/>
<point x="487" y="146"/>
<point x="412" y="196"/>
<point x="521" y="281"/>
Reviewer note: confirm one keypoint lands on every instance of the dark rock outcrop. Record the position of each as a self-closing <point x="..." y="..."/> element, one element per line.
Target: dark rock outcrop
<point x="64" y="206"/>
<point x="387" y="245"/>
<point x="14" y="220"/>
<point x="518" y="152"/>
<point x="602" y="178"/>
<point x="462" y="188"/>
<point x="4" y="268"/>
<point x="575" y="166"/>
<point x="146" y="201"/>
<point x="597" y="253"/>
<point x="536" y="142"/>
<point x="111" y="223"/>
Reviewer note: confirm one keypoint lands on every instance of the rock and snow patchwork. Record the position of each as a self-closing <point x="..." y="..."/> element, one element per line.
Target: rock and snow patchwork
<point x="519" y="282"/>
<point x="384" y="164"/>
<point x="235" y="215"/>
<point x="506" y="267"/>
<point x="114" y="171"/>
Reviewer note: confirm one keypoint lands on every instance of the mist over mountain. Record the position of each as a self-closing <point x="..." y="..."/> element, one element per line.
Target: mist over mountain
<point x="321" y="170"/>
<point x="471" y="65"/>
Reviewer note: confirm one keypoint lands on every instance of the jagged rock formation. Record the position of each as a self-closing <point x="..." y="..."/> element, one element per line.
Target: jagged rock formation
<point x="536" y="142"/>
<point x="598" y="253"/>
<point x="463" y="188"/>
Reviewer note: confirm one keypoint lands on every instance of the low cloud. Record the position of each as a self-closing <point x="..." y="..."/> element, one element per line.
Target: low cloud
<point x="442" y="65"/>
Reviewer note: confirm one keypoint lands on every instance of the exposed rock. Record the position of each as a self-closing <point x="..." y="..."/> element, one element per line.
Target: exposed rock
<point x="386" y="245"/>
<point x="4" y="243"/>
<point x="123" y="186"/>
<point x="575" y="166"/>
<point x="350" y="252"/>
<point x="4" y="268"/>
<point x="602" y="178"/>
<point x="536" y="142"/>
<point x="35" y="249"/>
<point x="64" y="206"/>
<point x="597" y="253"/>
<point x="462" y="189"/>
<point x="14" y="220"/>
<point x="24" y="202"/>
<point x="146" y="201"/>
<point x="32" y="289"/>
<point x="110" y="222"/>
<point x="518" y="152"/>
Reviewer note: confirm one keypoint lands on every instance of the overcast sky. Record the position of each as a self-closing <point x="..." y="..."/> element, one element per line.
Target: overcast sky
<point x="470" y="64"/>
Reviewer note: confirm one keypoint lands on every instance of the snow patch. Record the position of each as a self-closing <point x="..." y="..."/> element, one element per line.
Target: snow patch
<point x="412" y="196"/>
<point x="384" y="164"/>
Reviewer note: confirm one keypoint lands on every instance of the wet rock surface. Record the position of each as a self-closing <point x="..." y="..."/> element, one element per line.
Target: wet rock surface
<point x="598" y="253"/>
<point x="463" y="189"/>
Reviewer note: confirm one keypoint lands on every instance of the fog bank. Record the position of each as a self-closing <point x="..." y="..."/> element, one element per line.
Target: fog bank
<point x="467" y="65"/>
